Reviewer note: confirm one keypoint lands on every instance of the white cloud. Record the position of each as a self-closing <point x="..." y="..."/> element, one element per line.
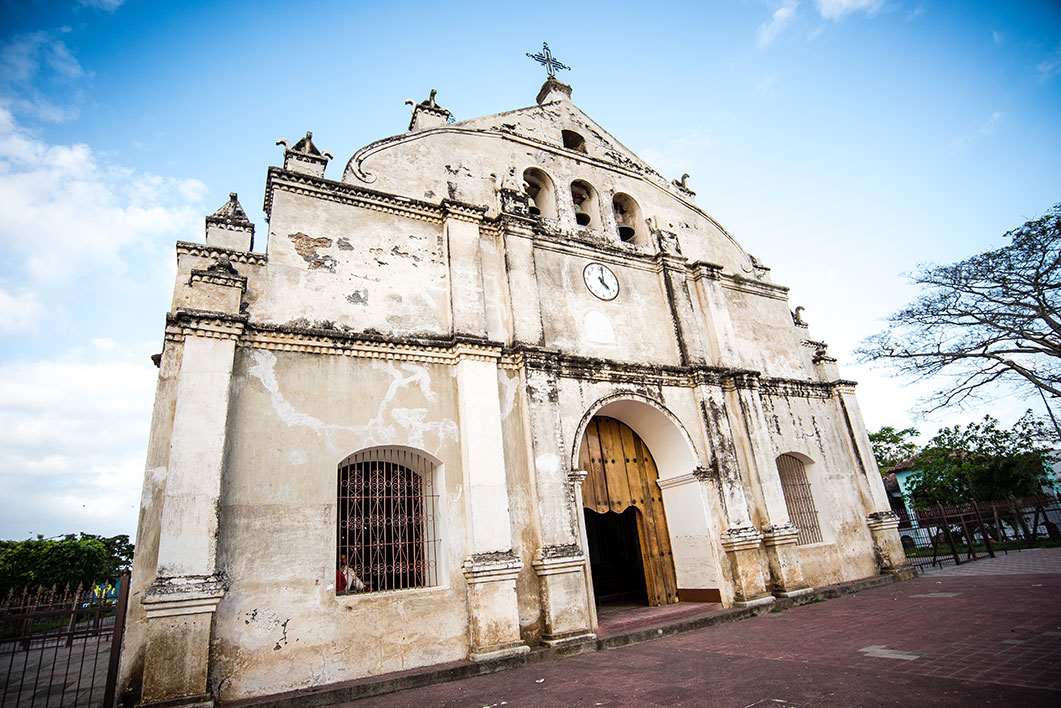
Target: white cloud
<point x="990" y="123"/>
<point x="72" y="439"/>
<point x="40" y="77"/>
<point x="108" y="5"/>
<point x="780" y="18"/>
<point x="70" y="218"/>
<point x="675" y="156"/>
<point x="996" y="36"/>
<point x="835" y="9"/>
<point x="1050" y="67"/>
<point x="18" y="311"/>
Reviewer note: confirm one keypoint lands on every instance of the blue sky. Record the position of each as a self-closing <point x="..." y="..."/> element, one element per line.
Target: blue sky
<point x="842" y="142"/>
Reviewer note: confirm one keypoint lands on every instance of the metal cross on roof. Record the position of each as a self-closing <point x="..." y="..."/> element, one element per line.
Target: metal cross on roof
<point x="545" y="57"/>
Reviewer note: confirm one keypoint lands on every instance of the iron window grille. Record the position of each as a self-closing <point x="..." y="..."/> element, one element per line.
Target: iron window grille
<point x="799" y="499"/>
<point x="387" y="521"/>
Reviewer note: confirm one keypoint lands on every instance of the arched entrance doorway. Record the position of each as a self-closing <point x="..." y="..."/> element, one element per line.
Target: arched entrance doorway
<point x="626" y="528"/>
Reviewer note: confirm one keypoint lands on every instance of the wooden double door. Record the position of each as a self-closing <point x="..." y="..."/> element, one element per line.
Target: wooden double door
<point x="629" y="547"/>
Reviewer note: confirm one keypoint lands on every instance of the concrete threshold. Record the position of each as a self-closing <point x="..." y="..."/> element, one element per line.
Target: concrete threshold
<point x="332" y="694"/>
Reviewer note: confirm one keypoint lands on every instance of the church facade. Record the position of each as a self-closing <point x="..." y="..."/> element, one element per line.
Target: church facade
<point x="499" y="374"/>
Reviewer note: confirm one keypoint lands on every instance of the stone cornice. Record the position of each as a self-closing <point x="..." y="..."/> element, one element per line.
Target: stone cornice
<point x="448" y="350"/>
<point x="343" y="193"/>
<point x="186" y="248"/>
<point x="218" y="278"/>
<point x="204" y="323"/>
<point x="754" y="287"/>
<point x="460" y="211"/>
<point x="796" y="388"/>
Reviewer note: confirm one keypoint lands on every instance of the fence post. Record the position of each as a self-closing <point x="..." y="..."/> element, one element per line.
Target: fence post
<point x="116" y="640"/>
<point x="983" y="531"/>
<point x="1019" y="512"/>
<point x="947" y="533"/>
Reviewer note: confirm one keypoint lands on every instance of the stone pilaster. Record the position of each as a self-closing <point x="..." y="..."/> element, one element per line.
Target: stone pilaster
<point x="467" y="304"/>
<point x="180" y="602"/>
<point x="747" y="417"/>
<point x="721" y="339"/>
<point x="492" y="567"/>
<point x="785" y="574"/>
<point x="560" y="562"/>
<point x="686" y="328"/>
<point x="742" y="546"/>
<point x="522" y="279"/>
<point x="725" y="470"/>
<point x="887" y="546"/>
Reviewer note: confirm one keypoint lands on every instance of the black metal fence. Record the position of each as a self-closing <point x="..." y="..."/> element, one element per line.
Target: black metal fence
<point x="951" y="535"/>
<point x="59" y="648"/>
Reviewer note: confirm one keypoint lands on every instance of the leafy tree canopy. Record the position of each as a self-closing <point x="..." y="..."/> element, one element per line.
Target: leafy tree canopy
<point x="982" y="461"/>
<point x="70" y="559"/>
<point x="891" y="446"/>
<point x="992" y="318"/>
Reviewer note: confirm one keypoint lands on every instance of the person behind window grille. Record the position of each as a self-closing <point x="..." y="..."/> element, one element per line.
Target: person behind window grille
<point x="346" y="579"/>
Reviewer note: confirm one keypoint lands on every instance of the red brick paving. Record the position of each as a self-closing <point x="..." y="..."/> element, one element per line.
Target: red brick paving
<point x="996" y="642"/>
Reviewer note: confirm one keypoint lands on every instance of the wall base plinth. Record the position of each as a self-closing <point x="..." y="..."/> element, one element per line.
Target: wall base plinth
<point x="176" y="664"/>
<point x="565" y="604"/>
<point x="493" y="606"/>
<point x="743" y="548"/>
<point x="786" y="577"/>
<point x="887" y="546"/>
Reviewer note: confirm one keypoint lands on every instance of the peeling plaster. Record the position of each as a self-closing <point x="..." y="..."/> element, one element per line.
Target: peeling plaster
<point x="377" y="431"/>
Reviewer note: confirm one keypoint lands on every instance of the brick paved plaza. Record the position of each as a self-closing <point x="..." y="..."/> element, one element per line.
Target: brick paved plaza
<point x="983" y="634"/>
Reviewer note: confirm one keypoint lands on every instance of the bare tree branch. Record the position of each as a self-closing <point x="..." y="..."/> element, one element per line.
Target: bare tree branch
<point x="993" y="318"/>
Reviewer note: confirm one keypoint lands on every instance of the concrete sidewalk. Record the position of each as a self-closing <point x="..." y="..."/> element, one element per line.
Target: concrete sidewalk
<point x="986" y="633"/>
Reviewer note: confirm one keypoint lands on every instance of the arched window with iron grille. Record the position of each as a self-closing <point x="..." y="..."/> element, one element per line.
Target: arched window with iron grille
<point x="387" y="521"/>
<point x="799" y="499"/>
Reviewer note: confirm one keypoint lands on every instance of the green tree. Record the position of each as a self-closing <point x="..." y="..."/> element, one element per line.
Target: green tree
<point x="891" y="446"/>
<point x="69" y="559"/>
<point x="992" y="318"/>
<point x="982" y="461"/>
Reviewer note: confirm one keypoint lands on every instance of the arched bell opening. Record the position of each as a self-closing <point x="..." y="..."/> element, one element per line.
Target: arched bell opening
<point x="584" y="201"/>
<point x="573" y="141"/>
<point x="628" y="218"/>
<point x="541" y="194"/>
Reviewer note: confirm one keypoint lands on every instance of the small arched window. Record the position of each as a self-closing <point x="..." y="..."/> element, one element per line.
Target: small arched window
<point x="799" y="499"/>
<point x="584" y="200"/>
<point x="540" y="192"/>
<point x="627" y="218"/>
<point x="573" y="141"/>
<point x="387" y="525"/>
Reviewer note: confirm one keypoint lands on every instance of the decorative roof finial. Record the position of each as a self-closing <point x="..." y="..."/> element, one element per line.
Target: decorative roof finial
<point x="545" y="58"/>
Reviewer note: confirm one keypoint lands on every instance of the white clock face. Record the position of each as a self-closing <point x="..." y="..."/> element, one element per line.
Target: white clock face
<point x="601" y="281"/>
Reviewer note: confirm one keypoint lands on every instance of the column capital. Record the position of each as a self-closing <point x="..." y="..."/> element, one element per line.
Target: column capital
<point x="491" y="567"/>
<point x="741" y="539"/>
<point x="883" y="520"/>
<point x="553" y="560"/>
<point x="184" y="595"/>
<point x="577" y="477"/>
<point x="780" y="534"/>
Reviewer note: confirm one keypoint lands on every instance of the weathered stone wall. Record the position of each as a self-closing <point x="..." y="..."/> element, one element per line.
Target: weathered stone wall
<point x="281" y="625"/>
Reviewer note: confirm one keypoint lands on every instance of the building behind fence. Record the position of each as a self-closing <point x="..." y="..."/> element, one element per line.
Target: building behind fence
<point x="948" y="535"/>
